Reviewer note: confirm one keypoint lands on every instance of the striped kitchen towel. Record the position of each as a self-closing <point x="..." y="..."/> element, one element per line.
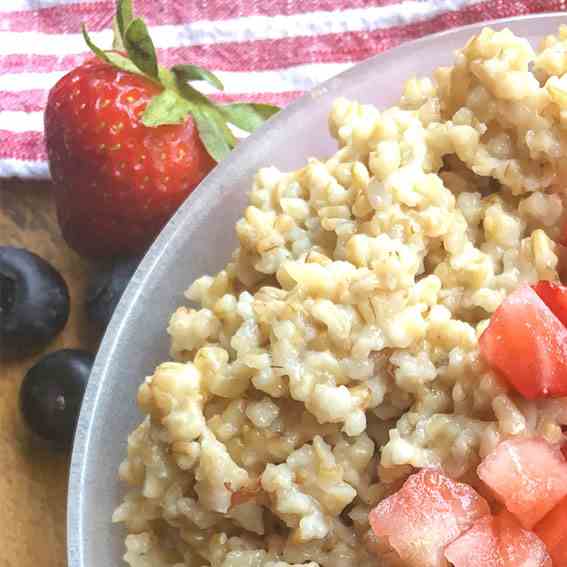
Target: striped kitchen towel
<point x="263" y="50"/>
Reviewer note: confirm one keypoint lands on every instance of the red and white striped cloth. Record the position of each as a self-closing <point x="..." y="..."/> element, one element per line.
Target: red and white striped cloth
<point x="263" y="50"/>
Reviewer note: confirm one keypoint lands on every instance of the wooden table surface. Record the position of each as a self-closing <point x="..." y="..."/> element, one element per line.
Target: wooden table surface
<point x="33" y="479"/>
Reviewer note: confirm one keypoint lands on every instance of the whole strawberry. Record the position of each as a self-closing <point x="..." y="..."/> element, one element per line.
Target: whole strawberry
<point x="127" y="142"/>
<point x="117" y="181"/>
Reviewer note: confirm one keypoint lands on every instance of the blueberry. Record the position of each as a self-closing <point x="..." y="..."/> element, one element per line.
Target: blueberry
<point x="106" y="287"/>
<point x="34" y="301"/>
<point x="51" y="394"/>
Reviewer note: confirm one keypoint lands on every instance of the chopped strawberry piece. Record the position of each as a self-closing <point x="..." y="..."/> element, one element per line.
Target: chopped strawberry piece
<point x="528" y="475"/>
<point x="477" y="547"/>
<point x="527" y="345"/>
<point x="553" y="532"/>
<point x="554" y="295"/>
<point x="426" y="514"/>
<point x="498" y="541"/>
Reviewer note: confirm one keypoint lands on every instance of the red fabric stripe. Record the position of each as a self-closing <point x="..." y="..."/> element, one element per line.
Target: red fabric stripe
<point x="98" y="15"/>
<point x="26" y="101"/>
<point x="22" y="145"/>
<point x="280" y="99"/>
<point x="20" y="63"/>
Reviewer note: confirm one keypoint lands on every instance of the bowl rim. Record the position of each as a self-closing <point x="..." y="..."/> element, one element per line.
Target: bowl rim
<point x="104" y="356"/>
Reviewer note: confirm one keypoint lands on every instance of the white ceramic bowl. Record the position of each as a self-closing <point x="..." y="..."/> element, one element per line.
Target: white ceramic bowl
<point x="199" y="240"/>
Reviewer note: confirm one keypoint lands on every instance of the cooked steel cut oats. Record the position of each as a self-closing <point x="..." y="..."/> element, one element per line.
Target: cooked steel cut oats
<point x="338" y="349"/>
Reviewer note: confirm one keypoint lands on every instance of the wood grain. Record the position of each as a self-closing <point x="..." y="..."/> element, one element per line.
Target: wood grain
<point x="33" y="479"/>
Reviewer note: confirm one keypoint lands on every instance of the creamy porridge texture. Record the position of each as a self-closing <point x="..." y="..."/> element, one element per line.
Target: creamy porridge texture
<point x="338" y="351"/>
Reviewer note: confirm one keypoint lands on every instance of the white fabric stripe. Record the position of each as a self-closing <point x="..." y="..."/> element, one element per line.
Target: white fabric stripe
<point x="22" y="168"/>
<point x="248" y="28"/>
<point x="300" y="77"/>
<point x="19" y="121"/>
<point x="26" y="81"/>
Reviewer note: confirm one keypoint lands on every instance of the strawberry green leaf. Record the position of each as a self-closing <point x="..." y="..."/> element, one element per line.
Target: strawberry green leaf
<point x="248" y="116"/>
<point x="213" y="113"/>
<point x="166" y="108"/>
<point x="124" y="15"/>
<point x="188" y="73"/>
<point x="122" y="63"/>
<point x="168" y="79"/>
<point x="210" y="109"/>
<point x="140" y="48"/>
<point x="96" y="50"/>
<point x="117" y="42"/>
<point x="211" y="124"/>
<point x="211" y="132"/>
<point x="115" y="59"/>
